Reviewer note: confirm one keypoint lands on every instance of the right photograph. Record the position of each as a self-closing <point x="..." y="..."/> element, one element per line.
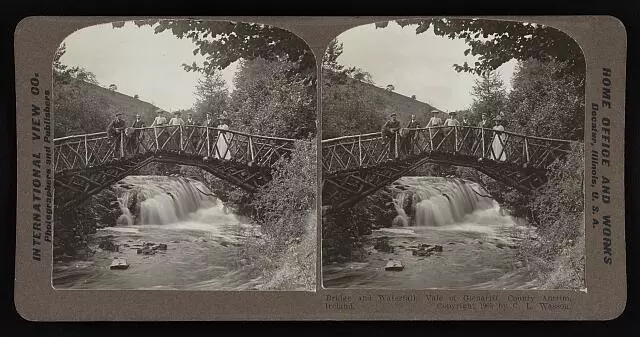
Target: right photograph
<point x="452" y="156"/>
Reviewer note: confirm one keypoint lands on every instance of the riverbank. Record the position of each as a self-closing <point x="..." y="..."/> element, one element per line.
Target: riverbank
<point x="357" y="243"/>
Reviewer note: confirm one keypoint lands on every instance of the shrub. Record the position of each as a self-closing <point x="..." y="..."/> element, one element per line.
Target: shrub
<point x="282" y="205"/>
<point x="557" y="251"/>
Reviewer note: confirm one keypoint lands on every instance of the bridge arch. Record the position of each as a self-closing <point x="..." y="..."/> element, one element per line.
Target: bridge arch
<point x="86" y="164"/>
<point x="359" y="165"/>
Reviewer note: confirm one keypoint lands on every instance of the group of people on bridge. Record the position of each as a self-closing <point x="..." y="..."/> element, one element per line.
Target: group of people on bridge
<point x="393" y="132"/>
<point x="118" y="132"/>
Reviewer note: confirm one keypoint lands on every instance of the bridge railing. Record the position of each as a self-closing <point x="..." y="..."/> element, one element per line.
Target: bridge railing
<point x="89" y="150"/>
<point x="359" y="151"/>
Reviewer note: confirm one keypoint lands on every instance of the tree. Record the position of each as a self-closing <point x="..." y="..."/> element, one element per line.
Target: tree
<point x="495" y="42"/>
<point x="347" y="106"/>
<point x="268" y="102"/>
<point x="113" y="87"/>
<point x="335" y="73"/>
<point x="284" y="204"/>
<point x="212" y="95"/>
<point x="76" y="110"/>
<point x="224" y="42"/>
<point x="490" y="97"/>
<point x="546" y="103"/>
<point x="63" y="74"/>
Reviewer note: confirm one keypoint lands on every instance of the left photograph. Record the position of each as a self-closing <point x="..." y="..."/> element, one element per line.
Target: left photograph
<point x="184" y="158"/>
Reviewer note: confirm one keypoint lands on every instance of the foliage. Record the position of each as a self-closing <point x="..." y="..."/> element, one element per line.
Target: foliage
<point x="269" y="102"/>
<point x="63" y="74"/>
<point x="350" y="109"/>
<point x="347" y="106"/>
<point x="343" y="229"/>
<point x="545" y="101"/>
<point x="224" y="42"/>
<point x="212" y="96"/>
<point x="335" y="73"/>
<point x="559" y="218"/>
<point x="283" y="205"/>
<point x="76" y="110"/>
<point x="495" y="42"/>
<point x="490" y="97"/>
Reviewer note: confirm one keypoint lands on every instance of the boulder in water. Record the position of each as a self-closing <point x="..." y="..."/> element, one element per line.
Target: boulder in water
<point x="394" y="265"/>
<point x="426" y="250"/>
<point x="146" y="251"/>
<point x="119" y="264"/>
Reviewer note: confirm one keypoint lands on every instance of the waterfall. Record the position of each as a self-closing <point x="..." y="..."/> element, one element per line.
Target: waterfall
<point x="401" y="219"/>
<point x="165" y="200"/>
<point x="439" y="201"/>
<point x="125" y="219"/>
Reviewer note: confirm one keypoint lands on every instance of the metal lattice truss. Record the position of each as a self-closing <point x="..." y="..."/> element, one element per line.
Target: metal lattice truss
<point x="356" y="166"/>
<point x="86" y="164"/>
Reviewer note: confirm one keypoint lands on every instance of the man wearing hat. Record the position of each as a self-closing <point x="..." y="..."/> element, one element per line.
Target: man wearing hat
<point x="407" y="141"/>
<point x="113" y="131"/>
<point x="389" y="131"/>
<point x="160" y="119"/>
<point x="134" y="138"/>
<point x="434" y="120"/>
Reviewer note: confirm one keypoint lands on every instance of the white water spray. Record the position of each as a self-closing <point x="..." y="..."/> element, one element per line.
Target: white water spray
<point x="438" y="201"/>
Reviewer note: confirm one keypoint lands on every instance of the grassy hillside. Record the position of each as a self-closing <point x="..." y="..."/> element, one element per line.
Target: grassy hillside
<point x="402" y="105"/>
<point x="81" y="107"/>
<point x="352" y="107"/>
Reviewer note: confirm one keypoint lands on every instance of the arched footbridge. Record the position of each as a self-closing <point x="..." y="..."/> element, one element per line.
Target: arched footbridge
<point x="86" y="164"/>
<point x="356" y="166"/>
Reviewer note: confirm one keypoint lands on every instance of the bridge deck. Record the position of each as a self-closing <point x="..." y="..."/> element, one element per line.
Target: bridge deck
<point x="85" y="164"/>
<point x="356" y="166"/>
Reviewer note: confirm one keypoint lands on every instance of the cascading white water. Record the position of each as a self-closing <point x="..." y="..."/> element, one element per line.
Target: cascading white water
<point x="125" y="219"/>
<point x="438" y="202"/>
<point x="163" y="200"/>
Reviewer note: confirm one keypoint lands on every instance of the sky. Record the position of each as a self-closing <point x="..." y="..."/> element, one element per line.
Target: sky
<point x="415" y="64"/>
<point x="138" y="61"/>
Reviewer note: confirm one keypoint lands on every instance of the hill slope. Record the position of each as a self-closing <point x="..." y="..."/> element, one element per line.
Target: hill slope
<point x="81" y="107"/>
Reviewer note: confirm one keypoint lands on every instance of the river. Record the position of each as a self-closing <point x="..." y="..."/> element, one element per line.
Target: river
<point x="203" y="238"/>
<point x="478" y="242"/>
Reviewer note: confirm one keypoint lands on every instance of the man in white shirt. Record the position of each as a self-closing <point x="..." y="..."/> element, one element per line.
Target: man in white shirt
<point x="176" y="120"/>
<point x="435" y="120"/>
<point x="451" y="120"/>
<point x="160" y="119"/>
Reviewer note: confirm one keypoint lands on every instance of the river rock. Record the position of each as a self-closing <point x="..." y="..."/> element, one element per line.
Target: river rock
<point x="146" y="251"/>
<point x="394" y="265"/>
<point x="426" y="250"/>
<point x="500" y="245"/>
<point x="119" y="264"/>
